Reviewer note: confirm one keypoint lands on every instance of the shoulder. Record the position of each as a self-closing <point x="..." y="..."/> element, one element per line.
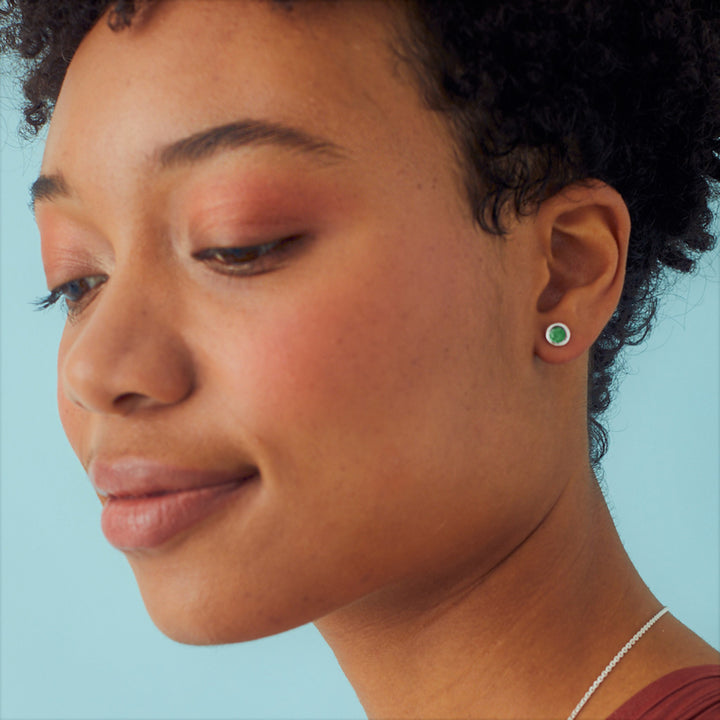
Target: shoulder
<point x="691" y="693"/>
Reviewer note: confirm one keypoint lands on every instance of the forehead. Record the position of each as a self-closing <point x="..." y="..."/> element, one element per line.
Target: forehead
<point x="186" y="65"/>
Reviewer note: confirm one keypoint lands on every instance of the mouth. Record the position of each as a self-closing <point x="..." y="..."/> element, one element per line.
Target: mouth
<point x="145" y="504"/>
<point x="105" y="496"/>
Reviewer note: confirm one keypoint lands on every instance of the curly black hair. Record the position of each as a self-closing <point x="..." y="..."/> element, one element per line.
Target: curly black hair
<point x="540" y="94"/>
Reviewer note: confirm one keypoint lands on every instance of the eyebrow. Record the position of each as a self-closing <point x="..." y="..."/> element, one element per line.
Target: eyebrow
<point x="205" y="143"/>
<point x="48" y="187"/>
<point x="242" y="134"/>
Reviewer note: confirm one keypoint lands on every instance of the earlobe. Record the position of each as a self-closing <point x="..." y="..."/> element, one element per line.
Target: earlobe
<point x="584" y="233"/>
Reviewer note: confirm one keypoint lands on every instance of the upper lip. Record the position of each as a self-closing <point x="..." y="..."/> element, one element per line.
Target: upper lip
<point x="138" y="477"/>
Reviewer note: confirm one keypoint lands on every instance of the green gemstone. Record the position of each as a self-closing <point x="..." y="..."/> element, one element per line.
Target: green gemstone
<point x="557" y="335"/>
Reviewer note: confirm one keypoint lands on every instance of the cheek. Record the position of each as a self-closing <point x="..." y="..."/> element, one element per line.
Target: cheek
<point x="333" y="358"/>
<point x="74" y="420"/>
<point x="367" y="369"/>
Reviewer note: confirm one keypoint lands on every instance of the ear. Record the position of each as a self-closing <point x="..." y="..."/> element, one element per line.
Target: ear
<point x="583" y="233"/>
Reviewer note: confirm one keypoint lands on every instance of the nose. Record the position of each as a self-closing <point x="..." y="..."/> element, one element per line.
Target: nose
<point x="127" y="354"/>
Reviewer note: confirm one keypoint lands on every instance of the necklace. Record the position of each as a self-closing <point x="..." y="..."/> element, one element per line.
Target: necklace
<point x="615" y="661"/>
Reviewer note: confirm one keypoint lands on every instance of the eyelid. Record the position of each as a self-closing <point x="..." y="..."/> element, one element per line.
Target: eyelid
<point x="249" y="259"/>
<point x="246" y="260"/>
<point x="257" y="250"/>
<point x="72" y="307"/>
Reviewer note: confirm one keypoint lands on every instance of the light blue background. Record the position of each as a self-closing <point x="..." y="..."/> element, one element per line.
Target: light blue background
<point x="75" y="639"/>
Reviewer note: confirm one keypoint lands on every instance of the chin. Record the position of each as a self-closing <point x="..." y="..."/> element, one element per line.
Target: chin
<point x="193" y="623"/>
<point x="189" y="631"/>
<point x="215" y="611"/>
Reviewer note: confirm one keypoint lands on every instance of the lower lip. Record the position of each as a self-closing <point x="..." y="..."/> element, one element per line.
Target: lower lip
<point x="141" y="523"/>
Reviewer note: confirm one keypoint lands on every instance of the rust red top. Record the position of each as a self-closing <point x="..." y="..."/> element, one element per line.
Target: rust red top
<point x="689" y="694"/>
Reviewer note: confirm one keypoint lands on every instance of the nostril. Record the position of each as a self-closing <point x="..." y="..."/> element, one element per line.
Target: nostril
<point x="130" y="401"/>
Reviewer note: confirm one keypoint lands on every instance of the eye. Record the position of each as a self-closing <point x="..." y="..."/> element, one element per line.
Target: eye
<point x="249" y="259"/>
<point x="75" y="294"/>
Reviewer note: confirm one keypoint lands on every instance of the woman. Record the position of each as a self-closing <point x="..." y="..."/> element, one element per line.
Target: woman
<point x="346" y="285"/>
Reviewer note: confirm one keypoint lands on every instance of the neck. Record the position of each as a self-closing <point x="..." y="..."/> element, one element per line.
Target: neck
<point x="525" y="639"/>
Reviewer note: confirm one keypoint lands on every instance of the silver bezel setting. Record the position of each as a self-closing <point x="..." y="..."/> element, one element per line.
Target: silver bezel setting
<point x="549" y="330"/>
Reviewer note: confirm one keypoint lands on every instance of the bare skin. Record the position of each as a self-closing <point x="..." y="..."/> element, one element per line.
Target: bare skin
<point x="424" y="493"/>
<point x="524" y="641"/>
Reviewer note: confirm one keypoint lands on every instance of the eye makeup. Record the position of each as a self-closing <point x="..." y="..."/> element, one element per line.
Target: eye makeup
<point x="237" y="223"/>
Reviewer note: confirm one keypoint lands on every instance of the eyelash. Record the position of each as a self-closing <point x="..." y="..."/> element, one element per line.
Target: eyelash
<point x="249" y="259"/>
<point x="241" y="261"/>
<point x="62" y="292"/>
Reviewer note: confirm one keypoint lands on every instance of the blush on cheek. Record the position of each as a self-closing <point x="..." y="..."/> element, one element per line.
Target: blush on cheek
<point x="336" y="361"/>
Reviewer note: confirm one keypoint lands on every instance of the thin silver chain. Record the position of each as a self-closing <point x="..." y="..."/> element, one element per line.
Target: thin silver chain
<point x="615" y="661"/>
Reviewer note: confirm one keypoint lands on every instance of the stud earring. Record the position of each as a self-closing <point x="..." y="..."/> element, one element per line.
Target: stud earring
<point x="558" y="334"/>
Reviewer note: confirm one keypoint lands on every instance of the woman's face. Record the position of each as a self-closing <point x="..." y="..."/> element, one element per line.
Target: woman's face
<point x="373" y="374"/>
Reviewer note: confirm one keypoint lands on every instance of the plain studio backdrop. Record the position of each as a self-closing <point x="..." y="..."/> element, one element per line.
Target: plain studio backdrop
<point x="75" y="639"/>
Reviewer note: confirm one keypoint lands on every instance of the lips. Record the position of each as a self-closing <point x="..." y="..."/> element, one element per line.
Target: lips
<point x="145" y="503"/>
